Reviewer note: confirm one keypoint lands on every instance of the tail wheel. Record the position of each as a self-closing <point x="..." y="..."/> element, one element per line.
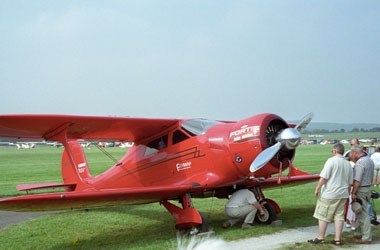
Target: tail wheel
<point x="269" y="216"/>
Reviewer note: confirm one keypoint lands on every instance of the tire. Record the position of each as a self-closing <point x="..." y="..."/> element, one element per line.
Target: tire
<point x="269" y="216"/>
<point x="201" y="228"/>
<point x="204" y="226"/>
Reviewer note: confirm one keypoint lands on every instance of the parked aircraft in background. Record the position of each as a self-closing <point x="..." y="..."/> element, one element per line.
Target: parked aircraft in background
<point x="29" y="144"/>
<point x="126" y="145"/>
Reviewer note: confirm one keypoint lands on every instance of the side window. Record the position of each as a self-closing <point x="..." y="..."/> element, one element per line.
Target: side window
<point x="179" y="136"/>
<point x="157" y="144"/>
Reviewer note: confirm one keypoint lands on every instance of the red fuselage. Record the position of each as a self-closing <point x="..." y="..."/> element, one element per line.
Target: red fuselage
<point x="218" y="154"/>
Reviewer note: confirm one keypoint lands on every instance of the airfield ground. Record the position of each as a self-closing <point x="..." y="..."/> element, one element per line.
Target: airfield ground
<point x="266" y="242"/>
<point x="292" y="236"/>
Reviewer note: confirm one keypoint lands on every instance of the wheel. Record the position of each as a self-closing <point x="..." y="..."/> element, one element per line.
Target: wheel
<point x="201" y="228"/>
<point x="204" y="226"/>
<point x="269" y="216"/>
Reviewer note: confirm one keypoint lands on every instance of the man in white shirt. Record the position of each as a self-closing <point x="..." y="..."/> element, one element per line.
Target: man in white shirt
<point x="336" y="178"/>
<point x="375" y="157"/>
<point x="242" y="205"/>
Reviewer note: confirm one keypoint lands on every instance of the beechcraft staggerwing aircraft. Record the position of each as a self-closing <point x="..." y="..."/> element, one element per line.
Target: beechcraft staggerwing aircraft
<point x="170" y="160"/>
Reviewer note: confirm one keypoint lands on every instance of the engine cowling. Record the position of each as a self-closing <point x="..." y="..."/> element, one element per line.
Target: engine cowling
<point x="251" y="136"/>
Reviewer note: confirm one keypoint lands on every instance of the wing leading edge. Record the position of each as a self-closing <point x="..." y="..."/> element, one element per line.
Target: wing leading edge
<point x="93" y="198"/>
<point x="81" y="127"/>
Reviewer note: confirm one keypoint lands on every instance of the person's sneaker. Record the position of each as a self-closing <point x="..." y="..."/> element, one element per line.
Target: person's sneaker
<point x="226" y="224"/>
<point x="375" y="222"/>
<point x="246" y="225"/>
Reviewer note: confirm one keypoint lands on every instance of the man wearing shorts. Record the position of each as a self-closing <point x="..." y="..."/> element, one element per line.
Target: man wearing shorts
<point x="335" y="180"/>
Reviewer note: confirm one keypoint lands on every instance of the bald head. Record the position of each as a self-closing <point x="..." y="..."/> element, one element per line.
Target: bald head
<point x="354" y="141"/>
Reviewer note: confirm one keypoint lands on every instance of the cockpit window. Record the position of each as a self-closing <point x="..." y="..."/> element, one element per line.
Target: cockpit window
<point x="156" y="145"/>
<point x="159" y="143"/>
<point x="198" y="126"/>
<point x="179" y="136"/>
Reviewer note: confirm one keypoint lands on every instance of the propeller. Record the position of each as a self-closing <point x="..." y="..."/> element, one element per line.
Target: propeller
<point x="289" y="138"/>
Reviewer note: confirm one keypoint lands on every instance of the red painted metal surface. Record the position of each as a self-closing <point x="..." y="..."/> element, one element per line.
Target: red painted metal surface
<point x="189" y="163"/>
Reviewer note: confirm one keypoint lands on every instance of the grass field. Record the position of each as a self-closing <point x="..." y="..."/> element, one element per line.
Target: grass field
<point x="346" y="136"/>
<point x="137" y="227"/>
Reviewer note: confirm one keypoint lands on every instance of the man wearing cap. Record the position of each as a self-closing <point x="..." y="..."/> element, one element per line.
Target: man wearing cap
<point x="363" y="174"/>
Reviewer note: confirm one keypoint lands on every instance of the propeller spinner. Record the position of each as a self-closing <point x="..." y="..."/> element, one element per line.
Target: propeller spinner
<point x="289" y="138"/>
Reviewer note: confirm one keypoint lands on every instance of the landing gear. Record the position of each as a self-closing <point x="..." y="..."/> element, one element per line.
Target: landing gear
<point x="269" y="216"/>
<point x="271" y="208"/>
<point x="199" y="230"/>
<point x="188" y="220"/>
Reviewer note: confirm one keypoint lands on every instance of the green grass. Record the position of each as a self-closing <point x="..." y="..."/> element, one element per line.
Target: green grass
<point x="43" y="164"/>
<point x="145" y="226"/>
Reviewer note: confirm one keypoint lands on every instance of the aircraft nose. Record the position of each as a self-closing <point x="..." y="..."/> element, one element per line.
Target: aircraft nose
<point x="290" y="138"/>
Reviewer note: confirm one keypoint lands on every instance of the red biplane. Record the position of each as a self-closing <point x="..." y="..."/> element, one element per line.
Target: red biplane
<point x="171" y="159"/>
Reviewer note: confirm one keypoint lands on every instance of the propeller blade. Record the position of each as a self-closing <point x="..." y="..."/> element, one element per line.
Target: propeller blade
<point x="304" y="122"/>
<point x="289" y="138"/>
<point x="264" y="157"/>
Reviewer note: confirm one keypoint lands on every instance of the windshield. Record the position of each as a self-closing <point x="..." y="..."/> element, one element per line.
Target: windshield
<point x="198" y="126"/>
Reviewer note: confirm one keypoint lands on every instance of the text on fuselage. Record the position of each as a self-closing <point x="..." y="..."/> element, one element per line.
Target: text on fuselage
<point x="244" y="133"/>
<point x="183" y="166"/>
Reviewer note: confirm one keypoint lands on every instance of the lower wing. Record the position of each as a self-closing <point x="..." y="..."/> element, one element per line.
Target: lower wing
<point x="93" y="198"/>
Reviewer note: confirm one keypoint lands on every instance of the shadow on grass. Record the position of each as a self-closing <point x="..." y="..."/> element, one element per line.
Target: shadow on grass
<point x="137" y="227"/>
<point x="125" y="228"/>
<point x="132" y="227"/>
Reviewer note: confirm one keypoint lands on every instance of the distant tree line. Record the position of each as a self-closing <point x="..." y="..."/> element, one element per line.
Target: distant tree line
<point x="354" y="130"/>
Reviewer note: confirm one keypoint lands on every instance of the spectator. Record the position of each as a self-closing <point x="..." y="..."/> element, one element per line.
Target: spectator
<point x="363" y="174"/>
<point x="336" y="179"/>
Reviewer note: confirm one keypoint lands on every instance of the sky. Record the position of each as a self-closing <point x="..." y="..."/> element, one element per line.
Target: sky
<point x="217" y="59"/>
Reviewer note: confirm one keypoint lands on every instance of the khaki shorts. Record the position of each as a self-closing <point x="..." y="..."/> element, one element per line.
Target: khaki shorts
<point x="377" y="169"/>
<point x="330" y="210"/>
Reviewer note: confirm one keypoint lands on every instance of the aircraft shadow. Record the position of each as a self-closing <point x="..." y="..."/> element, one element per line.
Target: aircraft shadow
<point x="154" y="225"/>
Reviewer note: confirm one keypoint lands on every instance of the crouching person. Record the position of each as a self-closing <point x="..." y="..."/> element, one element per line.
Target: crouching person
<point x="242" y="205"/>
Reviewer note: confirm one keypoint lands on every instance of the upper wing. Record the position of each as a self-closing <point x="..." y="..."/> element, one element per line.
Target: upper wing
<point x="93" y="198"/>
<point x="81" y="127"/>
